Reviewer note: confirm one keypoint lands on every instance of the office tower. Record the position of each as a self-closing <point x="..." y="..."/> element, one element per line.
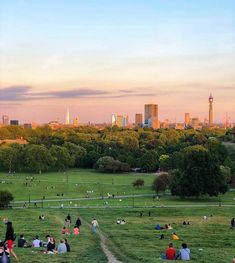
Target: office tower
<point x="186" y="119"/>
<point x="5" y="119"/>
<point x="195" y="123"/>
<point x="151" y="115"/>
<point x="14" y="122"/>
<point x="119" y="120"/>
<point x="75" y="122"/>
<point x="113" y="120"/>
<point x="138" y="119"/>
<point x="125" y="121"/>
<point x="67" y="117"/>
<point x="210" y="111"/>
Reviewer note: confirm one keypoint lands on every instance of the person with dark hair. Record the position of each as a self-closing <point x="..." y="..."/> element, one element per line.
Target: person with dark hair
<point x="78" y="222"/>
<point x="67" y="245"/>
<point x="68" y="220"/>
<point x="184" y="252"/>
<point x="10" y="237"/>
<point x="170" y="252"/>
<point x="37" y="242"/>
<point x="4" y="253"/>
<point x="233" y="223"/>
<point x="21" y="241"/>
<point x="51" y="246"/>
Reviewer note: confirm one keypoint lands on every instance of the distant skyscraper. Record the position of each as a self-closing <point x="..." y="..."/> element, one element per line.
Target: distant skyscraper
<point x="113" y="120"/>
<point x="138" y="119"/>
<point x="125" y="121"/>
<point x="186" y="119"/>
<point x="75" y="122"/>
<point x="67" y="117"/>
<point x="14" y="122"/>
<point x="195" y="123"/>
<point x="5" y="119"/>
<point x="119" y="120"/>
<point x="151" y="115"/>
<point x="210" y="110"/>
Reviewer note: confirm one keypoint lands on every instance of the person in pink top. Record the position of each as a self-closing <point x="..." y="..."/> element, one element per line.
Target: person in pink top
<point x="76" y="231"/>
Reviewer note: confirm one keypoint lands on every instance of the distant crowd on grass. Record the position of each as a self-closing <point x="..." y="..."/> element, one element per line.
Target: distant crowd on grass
<point x="48" y="246"/>
<point x="184" y="252"/>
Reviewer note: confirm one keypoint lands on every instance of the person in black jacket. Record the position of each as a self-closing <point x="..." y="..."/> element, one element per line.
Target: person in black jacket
<point x="10" y="237"/>
<point x="78" y="222"/>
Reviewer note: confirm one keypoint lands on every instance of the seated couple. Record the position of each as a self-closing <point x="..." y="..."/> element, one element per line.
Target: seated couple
<point x="171" y="254"/>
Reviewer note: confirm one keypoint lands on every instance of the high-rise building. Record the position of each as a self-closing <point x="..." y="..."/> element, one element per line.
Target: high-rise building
<point x="210" y="110"/>
<point x="67" y="117"/>
<point x="125" y="121"/>
<point x="75" y="122"/>
<point x="151" y="115"/>
<point x="138" y="119"/>
<point x="14" y="122"/>
<point x="113" y="120"/>
<point x="119" y="120"/>
<point x="186" y="119"/>
<point x="5" y="119"/>
<point x="195" y="123"/>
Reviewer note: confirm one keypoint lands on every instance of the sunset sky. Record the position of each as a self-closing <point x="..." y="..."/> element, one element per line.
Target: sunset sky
<point x="103" y="57"/>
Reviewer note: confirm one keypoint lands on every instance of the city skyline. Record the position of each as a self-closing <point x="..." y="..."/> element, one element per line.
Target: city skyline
<point x="103" y="58"/>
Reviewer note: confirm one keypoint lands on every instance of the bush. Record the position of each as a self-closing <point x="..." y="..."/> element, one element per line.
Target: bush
<point x="5" y="199"/>
<point x="138" y="183"/>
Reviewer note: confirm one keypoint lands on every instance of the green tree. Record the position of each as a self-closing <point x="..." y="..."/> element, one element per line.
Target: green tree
<point x="38" y="158"/>
<point x="76" y="153"/>
<point x="161" y="182"/>
<point x="138" y="183"/>
<point x="199" y="175"/>
<point x="164" y="162"/>
<point x="149" y="161"/>
<point x="62" y="159"/>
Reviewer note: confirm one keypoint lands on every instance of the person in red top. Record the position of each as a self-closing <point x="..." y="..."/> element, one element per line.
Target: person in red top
<point x="170" y="252"/>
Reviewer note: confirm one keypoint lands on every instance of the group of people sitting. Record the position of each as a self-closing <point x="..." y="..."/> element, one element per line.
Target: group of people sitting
<point x="50" y="244"/>
<point x="171" y="253"/>
<point x="166" y="226"/>
<point x="121" y="222"/>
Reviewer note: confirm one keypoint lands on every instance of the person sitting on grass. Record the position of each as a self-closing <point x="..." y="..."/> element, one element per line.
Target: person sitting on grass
<point x="184" y="252"/>
<point x="76" y="231"/>
<point x="51" y="247"/>
<point x="123" y="222"/>
<point x="158" y="227"/>
<point x="37" y="242"/>
<point x="64" y="231"/>
<point x="67" y="244"/>
<point x="62" y="247"/>
<point x="21" y="241"/>
<point x="170" y="253"/>
<point x="162" y="236"/>
<point x="175" y="236"/>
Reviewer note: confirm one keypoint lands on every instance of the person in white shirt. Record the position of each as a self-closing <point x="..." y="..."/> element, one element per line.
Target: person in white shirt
<point x="37" y="242"/>
<point x="185" y="252"/>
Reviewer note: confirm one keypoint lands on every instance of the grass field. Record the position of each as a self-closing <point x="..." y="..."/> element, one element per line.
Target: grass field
<point x="137" y="241"/>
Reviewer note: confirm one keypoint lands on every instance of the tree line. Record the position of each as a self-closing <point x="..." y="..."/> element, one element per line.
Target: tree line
<point x="191" y="153"/>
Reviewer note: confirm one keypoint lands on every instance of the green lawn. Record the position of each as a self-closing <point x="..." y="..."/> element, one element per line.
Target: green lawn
<point x="209" y="240"/>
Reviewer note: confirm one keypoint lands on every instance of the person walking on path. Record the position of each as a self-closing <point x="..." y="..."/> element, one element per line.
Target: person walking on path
<point x="94" y="224"/>
<point x="78" y="222"/>
<point x="10" y="237"/>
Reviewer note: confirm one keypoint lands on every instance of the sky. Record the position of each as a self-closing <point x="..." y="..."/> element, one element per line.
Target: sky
<point x="103" y="57"/>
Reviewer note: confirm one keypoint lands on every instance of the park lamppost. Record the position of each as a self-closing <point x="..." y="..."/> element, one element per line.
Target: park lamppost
<point x="29" y="197"/>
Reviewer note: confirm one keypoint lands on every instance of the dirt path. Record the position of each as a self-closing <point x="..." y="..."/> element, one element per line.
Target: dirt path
<point x="108" y="253"/>
<point x="111" y="258"/>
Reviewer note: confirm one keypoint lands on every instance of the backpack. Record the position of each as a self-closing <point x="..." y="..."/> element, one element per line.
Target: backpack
<point x="4" y="258"/>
